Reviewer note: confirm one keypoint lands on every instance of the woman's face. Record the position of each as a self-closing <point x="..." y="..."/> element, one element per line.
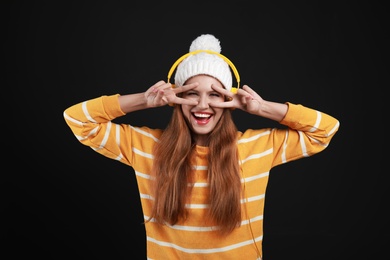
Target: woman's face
<point x="202" y="117"/>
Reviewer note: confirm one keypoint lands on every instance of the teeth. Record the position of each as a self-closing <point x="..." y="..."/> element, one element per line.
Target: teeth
<point x="201" y="115"/>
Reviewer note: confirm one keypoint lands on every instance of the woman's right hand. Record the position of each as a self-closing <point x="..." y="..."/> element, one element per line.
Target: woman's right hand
<point x="162" y="93"/>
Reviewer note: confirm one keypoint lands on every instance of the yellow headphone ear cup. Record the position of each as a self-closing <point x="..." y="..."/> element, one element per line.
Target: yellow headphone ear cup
<point x="234" y="90"/>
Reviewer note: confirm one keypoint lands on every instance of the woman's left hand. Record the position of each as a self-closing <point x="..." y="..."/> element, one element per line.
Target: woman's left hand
<point x="245" y="99"/>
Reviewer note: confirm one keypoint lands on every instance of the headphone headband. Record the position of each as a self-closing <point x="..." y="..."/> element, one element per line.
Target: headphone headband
<point x="234" y="90"/>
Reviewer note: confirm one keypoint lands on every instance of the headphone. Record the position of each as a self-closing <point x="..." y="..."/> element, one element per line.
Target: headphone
<point x="233" y="90"/>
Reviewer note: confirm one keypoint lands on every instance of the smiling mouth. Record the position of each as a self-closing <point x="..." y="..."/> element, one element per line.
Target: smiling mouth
<point x="201" y="118"/>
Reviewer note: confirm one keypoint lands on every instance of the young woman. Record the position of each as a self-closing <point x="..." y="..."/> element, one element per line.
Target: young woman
<point x="202" y="182"/>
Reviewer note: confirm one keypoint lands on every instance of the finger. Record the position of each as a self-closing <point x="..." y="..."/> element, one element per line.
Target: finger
<point x="249" y="90"/>
<point x="246" y="93"/>
<point x="185" y="87"/>
<point x="159" y="83"/>
<point x="162" y="86"/>
<point x="227" y="104"/>
<point x="228" y="94"/>
<point x="183" y="101"/>
<point x="221" y="90"/>
<point x="160" y="96"/>
<point x="166" y="86"/>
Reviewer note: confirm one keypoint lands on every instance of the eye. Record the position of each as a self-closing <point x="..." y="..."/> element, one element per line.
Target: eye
<point x="215" y="94"/>
<point x="190" y="94"/>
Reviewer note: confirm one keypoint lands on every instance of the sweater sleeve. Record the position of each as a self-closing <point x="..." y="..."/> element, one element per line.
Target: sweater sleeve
<point x="91" y="123"/>
<point x="309" y="131"/>
<point x="306" y="132"/>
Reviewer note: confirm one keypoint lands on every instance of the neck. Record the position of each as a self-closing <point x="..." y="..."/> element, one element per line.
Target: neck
<point x="201" y="140"/>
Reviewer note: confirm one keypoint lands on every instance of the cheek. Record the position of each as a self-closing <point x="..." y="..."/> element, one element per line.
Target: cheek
<point x="218" y="112"/>
<point x="186" y="110"/>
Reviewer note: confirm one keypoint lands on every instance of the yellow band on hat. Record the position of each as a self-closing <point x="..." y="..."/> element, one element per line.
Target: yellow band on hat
<point x="234" y="90"/>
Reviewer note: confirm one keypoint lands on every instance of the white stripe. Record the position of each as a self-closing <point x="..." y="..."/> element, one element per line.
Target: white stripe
<point x="203" y="229"/>
<point x="106" y="135"/>
<point x="117" y="135"/>
<point x="200" y="167"/>
<point x="119" y="157"/>
<point x="118" y="141"/>
<point x="284" y="148"/>
<point x="146" y="196"/>
<point x="303" y="145"/>
<point x="137" y="129"/>
<point x="197" y="206"/>
<point x="93" y="131"/>
<point x="186" y="228"/>
<point x="246" y="222"/>
<point x="258" y="155"/>
<point x="72" y="120"/>
<point x="317" y="141"/>
<point x="204" y="206"/>
<point x="147" y="155"/>
<point x="334" y="128"/>
<point x="252" y="138"/>
<point x="255" y="177"/>
<point x="80" y="138"/>
<point x="317" y="123"/>
<point x="204" y="251"/>
<point x="251" y="199"/>
<point x="86" y="113"/>
<point x="247" y="179"/>
<point x="143" y="175"/>
<point x="199" y="184"/>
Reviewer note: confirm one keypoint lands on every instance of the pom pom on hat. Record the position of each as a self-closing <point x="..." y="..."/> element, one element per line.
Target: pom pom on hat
<point x="204" y="63"/>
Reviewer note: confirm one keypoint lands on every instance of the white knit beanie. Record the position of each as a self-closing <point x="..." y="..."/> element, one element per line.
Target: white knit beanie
<point x="204" y="63"/>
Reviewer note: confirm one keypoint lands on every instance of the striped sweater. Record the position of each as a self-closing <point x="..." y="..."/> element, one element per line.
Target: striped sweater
<point x="308" y="132"/>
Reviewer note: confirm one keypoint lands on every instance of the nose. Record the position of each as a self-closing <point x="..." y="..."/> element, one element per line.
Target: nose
<point x="203" y="102"/>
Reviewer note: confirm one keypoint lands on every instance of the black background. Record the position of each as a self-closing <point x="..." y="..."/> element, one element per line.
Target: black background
<point x="65" y="201"/>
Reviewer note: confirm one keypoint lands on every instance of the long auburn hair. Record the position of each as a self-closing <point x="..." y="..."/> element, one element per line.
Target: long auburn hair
<point x="172" y="170"/>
